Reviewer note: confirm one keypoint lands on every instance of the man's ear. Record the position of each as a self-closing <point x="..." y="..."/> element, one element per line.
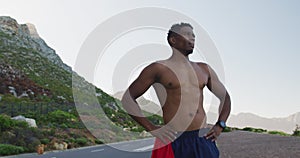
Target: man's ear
<point x="173" y="40"/>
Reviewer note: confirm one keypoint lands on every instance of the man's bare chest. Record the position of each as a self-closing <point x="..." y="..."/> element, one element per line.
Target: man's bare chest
<point x="177" y="77"/>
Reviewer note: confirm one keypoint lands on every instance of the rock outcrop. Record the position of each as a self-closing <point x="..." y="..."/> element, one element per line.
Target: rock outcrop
<point x="31" y="122"/>
<point x="26" y="35"/>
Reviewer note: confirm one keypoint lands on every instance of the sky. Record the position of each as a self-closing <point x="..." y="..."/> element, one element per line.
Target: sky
<point x="258" y="42"/>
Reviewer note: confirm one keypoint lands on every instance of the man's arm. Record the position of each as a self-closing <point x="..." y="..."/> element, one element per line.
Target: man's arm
<point x="147" y="77"/>
<point x="219" y="90"/>
<point x="135" y="90"/>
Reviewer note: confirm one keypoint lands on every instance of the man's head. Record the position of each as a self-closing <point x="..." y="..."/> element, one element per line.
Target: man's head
<point x="182" y="38"/>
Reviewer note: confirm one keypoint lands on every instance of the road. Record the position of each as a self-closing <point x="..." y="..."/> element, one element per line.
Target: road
<point x="130" y="149"/>
<point x="236" y="144"/>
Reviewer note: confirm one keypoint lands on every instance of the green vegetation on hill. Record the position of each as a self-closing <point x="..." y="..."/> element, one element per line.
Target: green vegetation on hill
<point x="7" y="149"/>
<point x="19" y="135"/>
<point x="41" y="71"/>
<point x="49" y="100"/>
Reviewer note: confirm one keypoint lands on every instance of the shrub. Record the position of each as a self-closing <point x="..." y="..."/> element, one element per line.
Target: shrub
<point x="21" y="124"/>
<point x="45" y="141"/>
<point x="63" y="126"/>
<point x="37" y="132"/>
<point x="60" y="117"/>
<point x="74" y="135"/>
<point x="70" y="140"/>
<point x="6" y="123"/>
<point x="137" y="129"/>
<point x="9" y="98"/>
<point x="278" y="133"/>
<point x="62" y="136"/>
<point x="81" y="141"/>
<point x="235" y="128"/>
<point x="296" y="132"/>
<point x="257" y="130"/>
<point x="248" y="129"/>
<point x="227" y="129"/>
<point x="25" y="137"/>
<point x="97" y="141"/>
<point x="7" y="149"/>
<point x="32" y="143"/>
<point x="48" y="132"/>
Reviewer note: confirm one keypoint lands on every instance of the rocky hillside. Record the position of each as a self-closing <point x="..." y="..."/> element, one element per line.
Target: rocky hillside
<point x="26" y="36"/>
<point x="35" y="82"/>
<point x="32" y="71"/>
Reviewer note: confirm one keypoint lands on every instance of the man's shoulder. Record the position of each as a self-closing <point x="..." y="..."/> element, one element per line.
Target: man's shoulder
<point x="155" y="66"/>
<point x="159" y="64"/>
<point x="202" y="64"/>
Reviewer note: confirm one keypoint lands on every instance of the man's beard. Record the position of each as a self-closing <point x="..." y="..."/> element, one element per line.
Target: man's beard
<point x="190" y="51"/>
<point x="187" y="52"/>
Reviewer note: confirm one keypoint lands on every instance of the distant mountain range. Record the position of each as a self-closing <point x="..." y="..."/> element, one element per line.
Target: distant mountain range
<point x="241" y="120"/>
<point x="144" y="103"/>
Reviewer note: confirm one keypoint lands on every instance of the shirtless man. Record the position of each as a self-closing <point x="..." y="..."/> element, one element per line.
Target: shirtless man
<point x="179" y="84"/>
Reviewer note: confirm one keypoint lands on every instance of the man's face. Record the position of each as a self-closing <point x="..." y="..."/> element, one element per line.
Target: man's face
<point x="185" y="41"/>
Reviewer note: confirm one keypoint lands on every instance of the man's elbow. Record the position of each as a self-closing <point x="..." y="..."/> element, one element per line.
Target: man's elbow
<point x="127" y="99"/>
<point x="225" y="100"/>
<point x="228" y="100"/>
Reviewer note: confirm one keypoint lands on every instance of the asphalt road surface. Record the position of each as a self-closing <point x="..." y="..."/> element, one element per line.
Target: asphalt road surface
<point x="130" y="149"/>
<point x="236" y="144"/>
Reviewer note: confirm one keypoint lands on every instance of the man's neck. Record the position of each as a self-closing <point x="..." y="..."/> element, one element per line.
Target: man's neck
<point x="178" y="56"/>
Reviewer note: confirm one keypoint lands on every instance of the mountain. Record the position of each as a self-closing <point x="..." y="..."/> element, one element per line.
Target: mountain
<point x="241" y="120"/>
<point x="26" y="36"/>
<point x="32" y="71"/>
<point x="145" y="104"/>
<point x="35" y="82"/>
<point x="29" y="67"/>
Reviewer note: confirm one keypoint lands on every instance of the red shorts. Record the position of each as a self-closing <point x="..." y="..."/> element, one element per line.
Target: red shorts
<point x="187" y="145"/>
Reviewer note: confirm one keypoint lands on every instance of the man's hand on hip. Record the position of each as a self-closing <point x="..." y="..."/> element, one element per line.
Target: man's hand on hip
<point x="165" y="133"/>
<point x="214" y="133"/>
